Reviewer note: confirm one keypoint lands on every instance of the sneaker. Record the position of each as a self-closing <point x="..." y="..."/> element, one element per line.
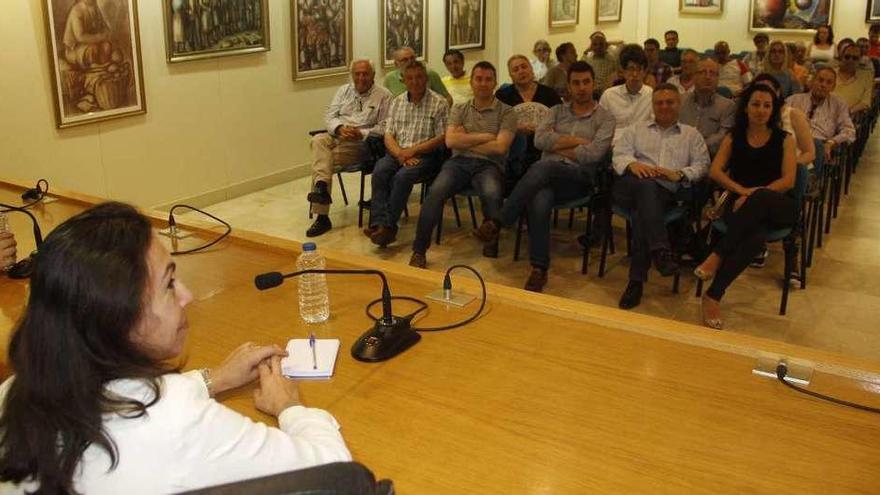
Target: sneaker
<point x="760" y="260"/>
<point x="418" y="260"/>
<point x="321" y="225"/>
<point x="320" y="194"/>
<point x="537" y="280"/>
<point x="487" y="232"/>
<point x="665" y="263"/>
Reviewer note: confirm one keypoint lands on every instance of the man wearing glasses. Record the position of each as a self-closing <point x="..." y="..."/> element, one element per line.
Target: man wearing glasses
<point x="630" y="102"/>
<point x="828" y="114"/>
<point x="854" y="86"/>
<point x="705" y="109"/>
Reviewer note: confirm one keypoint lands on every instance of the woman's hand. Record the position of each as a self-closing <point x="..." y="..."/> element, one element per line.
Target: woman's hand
<point x="743" y="197"/>
<point x="240" y="368"/>
<point x="276" y="392"/>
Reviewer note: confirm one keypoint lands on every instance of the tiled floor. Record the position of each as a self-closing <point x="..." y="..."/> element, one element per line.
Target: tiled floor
<point x="839" y="311"/>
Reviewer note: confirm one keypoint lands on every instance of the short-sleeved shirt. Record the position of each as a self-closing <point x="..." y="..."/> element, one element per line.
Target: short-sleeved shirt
<point x="394" y="83"/>
<point x="493" y="119"/>
<point x="605" y="67"/>
<point x="671" y="56"/>
<point x="459" y="89"/>
<point x="412" y="123"/>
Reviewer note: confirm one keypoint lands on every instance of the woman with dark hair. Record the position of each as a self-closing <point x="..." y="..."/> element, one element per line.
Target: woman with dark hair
<point x="793" y="121"/>
<point x="756" y="165"/>
<point x="822" y="48"/>
<point x="94" y="406"/>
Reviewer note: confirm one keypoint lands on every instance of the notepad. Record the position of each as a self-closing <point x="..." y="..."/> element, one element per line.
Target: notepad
<point x="299" y="363"/>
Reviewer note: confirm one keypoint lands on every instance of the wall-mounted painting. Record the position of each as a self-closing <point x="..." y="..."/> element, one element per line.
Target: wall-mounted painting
<point x="404" y="23"/>
<point x="465" y="24"/>
<point x="321" y="36"/>
<point x="608" y="10"/>
<point x="701" y="7"/>
<point x="196" y="29"/>
<point x="564" y="13"/>
<point x="873" y="12"/>
<point x="95" y="60"/>
<point x="789" y="17"/>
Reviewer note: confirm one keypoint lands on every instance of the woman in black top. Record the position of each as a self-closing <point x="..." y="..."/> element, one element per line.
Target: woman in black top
<point x="756" y="165"/>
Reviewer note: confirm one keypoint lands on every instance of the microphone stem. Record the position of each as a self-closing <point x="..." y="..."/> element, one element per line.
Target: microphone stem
<point x="387" y="316"/>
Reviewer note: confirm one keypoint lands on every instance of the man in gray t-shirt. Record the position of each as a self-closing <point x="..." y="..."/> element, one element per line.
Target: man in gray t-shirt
<point x="479" y="134"/>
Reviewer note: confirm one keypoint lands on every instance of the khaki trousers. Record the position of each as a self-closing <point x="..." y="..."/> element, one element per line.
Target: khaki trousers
<point x="330" y="153"/>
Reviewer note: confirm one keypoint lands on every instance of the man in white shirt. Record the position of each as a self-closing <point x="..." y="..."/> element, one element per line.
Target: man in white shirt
<point x="654" y="159"/>
<point x="732" y="74"/>
<point x="357" y="111"/>
<point x="630" y="102"/>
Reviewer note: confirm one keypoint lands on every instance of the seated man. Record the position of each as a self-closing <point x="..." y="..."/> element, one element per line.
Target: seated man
<point x="732" y="73"/>
<point x="479" y="134"/>
<point x="653" y="159"/>
<point x="659" y="70"/>
<point x="556" y="77"/>
<point x="854" y="84"/>
<point x="605" y="64"/>
<point x="394" y="79"/>
<point x="7" y="250"/>
<point x="414" y="132"/>
<point x="86" y="36"/>
<point x="630" y="102"/>
<point x="357" y="111"/>
<point x="671" y="54"/>
<point x="458" y="83"/>
<point x="705" y="109"/>
<point x="828" y="115"/>
<point x="684" y="81"/>
<point x="575" y="138"/>
<point x="755" y="60"/>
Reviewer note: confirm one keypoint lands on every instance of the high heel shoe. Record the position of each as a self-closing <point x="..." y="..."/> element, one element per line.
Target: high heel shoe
<point x="715" y="323"/>
<point x="703" y="275"/>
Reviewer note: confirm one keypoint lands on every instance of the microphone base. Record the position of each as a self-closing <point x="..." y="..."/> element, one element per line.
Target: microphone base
<point x="452" y="299"/>
<point x="21" y="269"/>
<point x="384" y="341"/>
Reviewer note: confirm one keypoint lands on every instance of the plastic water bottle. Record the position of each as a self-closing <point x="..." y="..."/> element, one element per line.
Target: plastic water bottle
<point x="314" y="301"/>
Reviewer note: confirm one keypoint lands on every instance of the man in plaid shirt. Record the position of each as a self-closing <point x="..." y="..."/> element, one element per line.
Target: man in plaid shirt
<point x="414" y="135"/>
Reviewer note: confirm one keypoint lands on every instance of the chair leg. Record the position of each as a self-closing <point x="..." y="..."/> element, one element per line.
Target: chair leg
<point x="342" y="188"/>
<point x="440" y="223"/>
<point x="570" y="218"/>
<point x="628" y="238"/>
<point x="675" y="280"/>
<point x="555" y="218"/>
<point x="588" y="232"/>
<point x="811" y="239"/>
<point x="606" y="245"/>
<point x="519" y="226"/>
<point x="361" y="201"/>
<point x="455" y="211"/>
<point x="470" y="200"/>
<point x="789" y="247"/>
<point x="699" y="291"/>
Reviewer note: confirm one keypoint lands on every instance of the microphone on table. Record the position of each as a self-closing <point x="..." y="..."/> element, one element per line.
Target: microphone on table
<point x="24" y="267"/>
<point x="389" y="336"/>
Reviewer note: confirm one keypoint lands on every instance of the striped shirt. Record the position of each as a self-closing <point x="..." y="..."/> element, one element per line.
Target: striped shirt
<point x="412" y="123"/>
<point x="678" y="147"/>
<point x="829" y="120"/>
<point x="365" y="111"/>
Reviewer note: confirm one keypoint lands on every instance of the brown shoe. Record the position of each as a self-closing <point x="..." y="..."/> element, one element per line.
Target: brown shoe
<point x="370" y="230"/>
<point x="418" y="260"/>
<point x="384" y="236"/>
<point x="487" y="232"/>
<point x="490" y="249"/>
<point x="537" y="280"/>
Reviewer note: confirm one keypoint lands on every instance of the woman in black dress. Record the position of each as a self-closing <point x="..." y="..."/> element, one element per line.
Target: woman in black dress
<point x="756" y="165"/>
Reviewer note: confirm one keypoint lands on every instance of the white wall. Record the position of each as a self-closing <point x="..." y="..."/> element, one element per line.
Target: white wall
<point x="213" y="128"/>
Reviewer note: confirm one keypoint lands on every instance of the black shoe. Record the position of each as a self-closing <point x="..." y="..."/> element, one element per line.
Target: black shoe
<point x="418" y="260"/>
<point x="588" y="242"/>
<point x="665" y="263"/>
<point x="491" y="250"/>
<point x="632" y="296"/>
<point x="320" y="195"/>
<point x="322" y="224"/>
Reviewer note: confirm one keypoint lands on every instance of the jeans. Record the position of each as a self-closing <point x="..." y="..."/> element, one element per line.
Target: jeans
<point x="545" y="184"/>
<point x="647" y="202"/>
<point x="392" y="185"/>
<point x="456" y="175"/>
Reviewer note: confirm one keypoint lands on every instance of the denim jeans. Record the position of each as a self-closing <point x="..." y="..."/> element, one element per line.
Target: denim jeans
<point x="545" y="184"/>
<point x="457" y="174"/>
<point x="392" y="185"/>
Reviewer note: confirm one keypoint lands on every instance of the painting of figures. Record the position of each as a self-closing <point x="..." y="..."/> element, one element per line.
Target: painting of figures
<point x="789" y="15"/>
<point x="404" y="23"/>
<point x="564" y="13"/>
<point x="321" y="37"/>
<point x="465" y="24"/>
<point x="94" y="54"/>
<point x="196" y="29"/>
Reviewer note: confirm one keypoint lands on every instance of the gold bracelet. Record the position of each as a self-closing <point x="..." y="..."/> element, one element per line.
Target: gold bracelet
<point x="206" y="377"/>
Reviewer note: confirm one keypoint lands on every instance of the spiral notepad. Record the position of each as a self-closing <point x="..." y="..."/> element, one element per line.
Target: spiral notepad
<point x="299" y="362"/>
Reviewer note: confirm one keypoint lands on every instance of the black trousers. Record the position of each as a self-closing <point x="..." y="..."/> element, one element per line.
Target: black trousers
<point x="747" y="229"/>
<point x="647" y="202"/>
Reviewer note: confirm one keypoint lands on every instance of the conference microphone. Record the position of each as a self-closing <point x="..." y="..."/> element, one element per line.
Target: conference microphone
<point x="389" y="336"/>
<point x="24" y="267"/>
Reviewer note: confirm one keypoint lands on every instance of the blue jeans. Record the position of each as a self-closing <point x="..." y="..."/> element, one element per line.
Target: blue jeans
<point x="392" y="185"/>
<point x="545" y="184"/>
<point x="456" y="175"/>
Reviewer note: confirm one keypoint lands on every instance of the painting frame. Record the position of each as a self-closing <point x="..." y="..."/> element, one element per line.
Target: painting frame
<point x="106" y="83"/>
<point x="556" y="22"/>
<point x="872" y="13"/>
<point x="171" y="21"/>
<point x="700" y="9"/>
<point x="811" y="26"/>
<point x="297" y="32"/>
<point x="602" y="6"/>
<point x="481" y="25"/>
<point x="387" y="46"/>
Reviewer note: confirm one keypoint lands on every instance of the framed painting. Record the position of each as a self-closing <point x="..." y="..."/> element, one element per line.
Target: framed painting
<point x="778" y="16"/>
<point x="197" y="29"/>
<point x="404" y="23"/>
<point x="873" y="12"/>
<point x="608" y="10"/>
<point x="701" y="7"/>
<point x="95" y="60"/>
<point x="321" y="38"/>
<point x="564" y="13"/>
<point x="465" y="24"/>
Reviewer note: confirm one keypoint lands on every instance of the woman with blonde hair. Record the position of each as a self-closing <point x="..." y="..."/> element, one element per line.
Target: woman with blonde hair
<point x="777" y="65"/>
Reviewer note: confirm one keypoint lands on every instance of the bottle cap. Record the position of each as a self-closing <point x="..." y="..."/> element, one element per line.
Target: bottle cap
<point x="309" y="246"/>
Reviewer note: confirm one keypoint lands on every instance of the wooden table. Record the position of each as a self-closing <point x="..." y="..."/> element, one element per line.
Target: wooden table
<point x="541" y="395"/>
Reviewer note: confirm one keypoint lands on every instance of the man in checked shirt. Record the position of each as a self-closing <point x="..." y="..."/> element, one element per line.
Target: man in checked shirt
<point x="414" y="134"/>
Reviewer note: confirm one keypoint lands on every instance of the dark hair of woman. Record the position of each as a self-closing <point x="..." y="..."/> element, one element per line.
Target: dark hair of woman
<point x="88" y="290"/>
<point x="830" y="34"/>
<point x="741" y="118"/>
<point x="769" y="78"/>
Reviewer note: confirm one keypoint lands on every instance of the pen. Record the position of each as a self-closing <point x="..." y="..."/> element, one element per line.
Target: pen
<point x="314" y="355"/>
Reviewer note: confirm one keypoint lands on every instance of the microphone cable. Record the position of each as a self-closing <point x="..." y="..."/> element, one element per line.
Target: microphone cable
<point x="782" y="371"/>
<point x="34" y="195"/>
<point x="447" y="285"/>
<point x="172" y="226"/>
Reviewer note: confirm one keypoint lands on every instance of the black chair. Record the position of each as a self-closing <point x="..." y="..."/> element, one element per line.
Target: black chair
<point x="341" y="478"/>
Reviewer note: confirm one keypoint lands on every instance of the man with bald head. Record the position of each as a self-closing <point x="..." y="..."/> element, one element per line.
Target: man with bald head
<point x="828" y="114"/>
<point x="394" y="79"/>
<point x="705" y="109"/>
<point x="732" y="74"/>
